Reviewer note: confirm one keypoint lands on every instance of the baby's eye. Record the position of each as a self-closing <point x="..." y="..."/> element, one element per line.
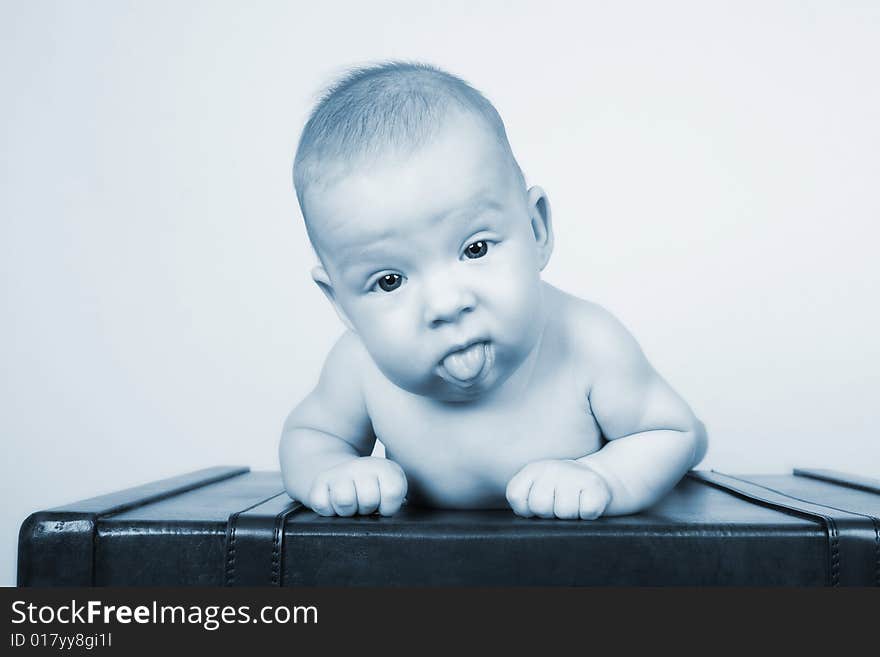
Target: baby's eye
<point x="476" y="250"/>
<point x="389" y="282"/>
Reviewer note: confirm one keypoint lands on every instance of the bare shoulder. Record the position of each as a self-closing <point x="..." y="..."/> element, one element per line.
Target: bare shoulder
<point x="346" y="358"/>
<point x="596" y="338"/>
<point x="626" y="394"/>
<point x="336" y="405"/>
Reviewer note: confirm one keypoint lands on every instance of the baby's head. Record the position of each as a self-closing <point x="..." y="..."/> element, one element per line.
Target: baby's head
<point x="431" y="247"/>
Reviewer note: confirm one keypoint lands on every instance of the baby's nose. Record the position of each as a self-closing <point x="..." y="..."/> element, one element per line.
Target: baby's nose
<point x="445" y="304"/>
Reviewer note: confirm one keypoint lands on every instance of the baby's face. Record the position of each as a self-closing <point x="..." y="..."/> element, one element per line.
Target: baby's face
<point x="433" y="260"/>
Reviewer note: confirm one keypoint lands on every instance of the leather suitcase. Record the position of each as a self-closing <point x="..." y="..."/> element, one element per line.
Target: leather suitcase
<point x="228" y="526"/>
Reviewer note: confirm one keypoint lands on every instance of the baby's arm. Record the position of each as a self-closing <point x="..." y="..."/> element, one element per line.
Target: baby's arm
<point x="654" y="437"/>
<point x="326" y="442"/>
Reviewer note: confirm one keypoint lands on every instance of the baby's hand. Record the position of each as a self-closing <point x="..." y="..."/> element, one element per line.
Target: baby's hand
<point x="362" y="485"/>
<point x="564" y="489"/>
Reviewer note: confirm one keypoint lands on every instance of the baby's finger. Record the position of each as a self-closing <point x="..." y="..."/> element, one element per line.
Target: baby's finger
<point x="566" y="502"/>
<point x="590" y="505"/>
<point x="391" y="493"/>
<point x="517" y="494"/>
<point x="367" y="494"/>
<point x="319" y="498"/>
<point x="343" y="497"/>
<point x="541" y="497"/>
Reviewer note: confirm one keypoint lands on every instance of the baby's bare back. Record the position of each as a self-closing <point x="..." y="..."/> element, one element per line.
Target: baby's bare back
<point x="462" y="455"/>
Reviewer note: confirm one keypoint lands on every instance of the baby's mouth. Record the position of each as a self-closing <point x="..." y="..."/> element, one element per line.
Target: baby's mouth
<point x="465" y="365"/>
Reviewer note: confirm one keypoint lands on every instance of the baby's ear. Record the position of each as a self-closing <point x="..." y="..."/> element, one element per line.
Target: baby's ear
<point x="542" y="225"/>
<point x="319" y="275"/>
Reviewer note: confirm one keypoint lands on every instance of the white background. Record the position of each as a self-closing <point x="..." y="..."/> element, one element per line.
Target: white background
<point x="712" y="167"/>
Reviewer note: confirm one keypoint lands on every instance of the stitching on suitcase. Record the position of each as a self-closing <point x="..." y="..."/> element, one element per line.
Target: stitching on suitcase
<point x="276" y="549"/>
<point x="874" y="524"/>
<point x="842" y="481"/>
<point x="229" y="573"/>
<point x="829" y="525"/>
<point x="277" y="538"/>
<point x="833" y="532"/>
<point x="876" y="551"/>
<point x="115" y="510"/>
<point x="835" y="551"/>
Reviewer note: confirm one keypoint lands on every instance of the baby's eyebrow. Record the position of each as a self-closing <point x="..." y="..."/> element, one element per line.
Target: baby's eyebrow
<point x="356" y="254"/>
<point x="358" y="258"/>
<point x="476" y="205"/>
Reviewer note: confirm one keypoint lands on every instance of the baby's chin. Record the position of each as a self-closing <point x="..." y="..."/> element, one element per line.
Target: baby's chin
<point x="445" y="391"/>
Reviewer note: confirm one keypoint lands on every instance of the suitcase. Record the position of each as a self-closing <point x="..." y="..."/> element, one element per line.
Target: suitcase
<point x="228" y="526"/>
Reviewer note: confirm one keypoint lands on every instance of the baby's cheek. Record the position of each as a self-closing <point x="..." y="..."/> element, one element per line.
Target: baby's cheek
<point x="386" y="327"/>
<point x="401" y="355"/>
<point x="514" y="293"/>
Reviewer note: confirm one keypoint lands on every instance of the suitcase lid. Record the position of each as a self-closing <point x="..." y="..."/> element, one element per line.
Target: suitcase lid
<point x="812" y="512"/>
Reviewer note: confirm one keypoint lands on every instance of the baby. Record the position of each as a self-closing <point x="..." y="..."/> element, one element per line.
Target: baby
<point x="487" y="386"/>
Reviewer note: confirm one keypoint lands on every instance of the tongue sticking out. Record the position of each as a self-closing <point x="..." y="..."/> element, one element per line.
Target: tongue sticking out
<point x="466" y="364"/>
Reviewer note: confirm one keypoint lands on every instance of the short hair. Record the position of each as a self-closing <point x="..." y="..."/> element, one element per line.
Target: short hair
<point x="391" y="106"/>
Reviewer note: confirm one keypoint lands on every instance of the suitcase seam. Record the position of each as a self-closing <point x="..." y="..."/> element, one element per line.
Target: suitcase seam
<point x="874" y="520"/>
<point x="835" y="551"/>
<point x="231" y="524"/>
<point x="840" y="479"/>
<point x="277" y="539"/>
<point x="832" y="529"/>
<point x="117" y="509"/>
<point x="827" y="524"/>
<point x="276" y="550"/>
<point x="229" y="571"/>
<point x="831" y="526"/>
